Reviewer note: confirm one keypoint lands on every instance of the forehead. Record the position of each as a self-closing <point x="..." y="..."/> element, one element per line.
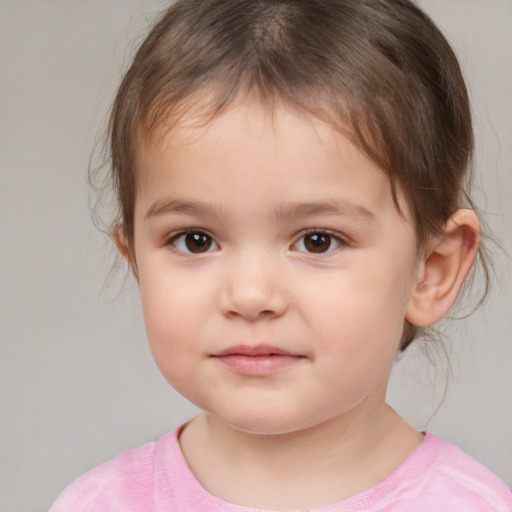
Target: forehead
<point x="255" y="126"/>
<point x="251" y="126"/>
<point x="248" y="149"/>
<point x="252" y="111"/>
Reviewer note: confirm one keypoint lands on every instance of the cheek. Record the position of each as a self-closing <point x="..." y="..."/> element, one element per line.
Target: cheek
<point x="375" y="294"/>
<point x="171" y="299"/>
<point x="175" y="312"/>
<point x="357" y="351"/>
<point x="361" y="314"/>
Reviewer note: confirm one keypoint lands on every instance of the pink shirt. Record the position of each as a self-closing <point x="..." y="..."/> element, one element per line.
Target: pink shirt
<point x="156" y="478"/>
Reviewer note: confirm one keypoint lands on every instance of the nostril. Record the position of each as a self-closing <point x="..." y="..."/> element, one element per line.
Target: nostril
<point x="252" y="291"/>
<point x="252" y="307"/>
<point x="251" y="315"/>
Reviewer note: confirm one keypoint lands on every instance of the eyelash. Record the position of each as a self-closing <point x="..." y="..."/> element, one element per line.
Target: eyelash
<point x="185" y="248"/>
<point x="172" y="241"/>
<point x="333" y="237"/>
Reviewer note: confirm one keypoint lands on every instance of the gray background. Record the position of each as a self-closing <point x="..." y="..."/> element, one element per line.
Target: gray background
<point x="77" y="382"/>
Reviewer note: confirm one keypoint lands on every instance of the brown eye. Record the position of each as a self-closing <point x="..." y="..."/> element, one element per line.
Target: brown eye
<point x="317" y="242"/>
<point x="198" y="242"/>
<point x="195" y="242"/>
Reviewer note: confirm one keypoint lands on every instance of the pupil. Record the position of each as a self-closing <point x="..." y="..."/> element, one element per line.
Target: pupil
<point x="317" y="242"/>
<point x="198" y="242"/>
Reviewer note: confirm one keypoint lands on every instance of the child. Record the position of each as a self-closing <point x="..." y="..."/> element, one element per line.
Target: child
<point x="290" y="179"/>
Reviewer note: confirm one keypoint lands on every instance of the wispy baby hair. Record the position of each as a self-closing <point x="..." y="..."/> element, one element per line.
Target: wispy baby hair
<point x="378" y="70"/>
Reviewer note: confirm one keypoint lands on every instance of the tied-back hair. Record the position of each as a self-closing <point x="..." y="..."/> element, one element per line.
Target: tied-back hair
<point x="379" y="71"/>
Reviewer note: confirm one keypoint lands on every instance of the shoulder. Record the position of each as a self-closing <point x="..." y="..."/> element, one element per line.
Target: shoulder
<point x="462" y="483"/>
<point x="124" y="483"/>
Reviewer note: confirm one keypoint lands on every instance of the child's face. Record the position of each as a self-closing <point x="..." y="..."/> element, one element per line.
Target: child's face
<point x="274" y="270"/>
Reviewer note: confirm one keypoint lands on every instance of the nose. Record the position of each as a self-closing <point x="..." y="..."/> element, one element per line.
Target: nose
<point x="253" y="289"/>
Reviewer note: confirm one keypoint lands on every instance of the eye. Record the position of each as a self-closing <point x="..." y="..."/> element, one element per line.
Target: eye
<point x="193" y="242"/>
<point x="317" y="242"/>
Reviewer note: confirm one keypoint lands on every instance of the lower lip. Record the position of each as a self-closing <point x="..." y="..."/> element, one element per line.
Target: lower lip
<point x="258" y="366"/>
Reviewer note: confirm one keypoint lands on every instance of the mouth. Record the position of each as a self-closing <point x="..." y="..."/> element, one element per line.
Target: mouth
<point x="257" y="360"/>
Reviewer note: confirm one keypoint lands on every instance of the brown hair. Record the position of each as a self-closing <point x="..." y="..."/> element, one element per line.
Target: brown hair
<point x="379" y="70"/>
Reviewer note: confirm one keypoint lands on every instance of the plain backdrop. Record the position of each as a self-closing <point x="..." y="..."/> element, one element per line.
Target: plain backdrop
<point x="77" y="382"/>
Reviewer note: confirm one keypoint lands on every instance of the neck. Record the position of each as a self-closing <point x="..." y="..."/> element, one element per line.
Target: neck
<point x="308" y="468"/>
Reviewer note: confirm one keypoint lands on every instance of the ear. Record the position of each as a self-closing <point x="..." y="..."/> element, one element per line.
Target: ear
<point x="125" y="249"/>
<point x="444" y="268"/>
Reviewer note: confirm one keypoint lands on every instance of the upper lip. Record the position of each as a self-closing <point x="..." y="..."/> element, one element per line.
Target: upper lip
<point x="253" y="350"/>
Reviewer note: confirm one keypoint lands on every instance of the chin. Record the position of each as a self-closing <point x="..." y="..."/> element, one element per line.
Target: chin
<point x="263" y="426"/>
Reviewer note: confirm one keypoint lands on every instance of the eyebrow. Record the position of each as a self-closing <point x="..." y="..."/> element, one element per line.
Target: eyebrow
<point x="330" y="207"/>
<point x="168" y="206"/>
<point x="280" y="213"/>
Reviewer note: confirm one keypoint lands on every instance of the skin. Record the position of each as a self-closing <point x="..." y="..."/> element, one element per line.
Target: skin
<point x="258" y="193"/>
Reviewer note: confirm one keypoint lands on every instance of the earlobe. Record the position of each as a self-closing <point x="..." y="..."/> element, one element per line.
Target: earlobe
<point x="444" y="268"/>
<point x="124" y="248"/>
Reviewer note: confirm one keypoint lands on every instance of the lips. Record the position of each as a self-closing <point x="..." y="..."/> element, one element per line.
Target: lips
<point x="253" y="350"/>
<point x="257" y="360"/>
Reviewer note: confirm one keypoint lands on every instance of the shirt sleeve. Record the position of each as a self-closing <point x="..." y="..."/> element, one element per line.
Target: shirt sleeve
<point x="124" y="484"/>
